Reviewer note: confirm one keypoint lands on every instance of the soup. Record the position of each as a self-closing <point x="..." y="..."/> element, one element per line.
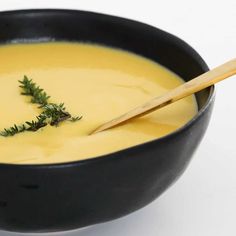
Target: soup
<point x="95" y="82"/>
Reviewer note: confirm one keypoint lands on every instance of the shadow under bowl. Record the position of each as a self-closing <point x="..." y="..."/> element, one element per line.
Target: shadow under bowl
<point x="59" y="197"/>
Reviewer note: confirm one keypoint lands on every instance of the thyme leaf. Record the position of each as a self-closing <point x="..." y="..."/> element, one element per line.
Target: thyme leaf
<point x="75" y="118"/>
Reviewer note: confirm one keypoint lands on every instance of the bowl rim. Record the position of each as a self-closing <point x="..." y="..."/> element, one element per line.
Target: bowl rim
<point x="137" y="147"/>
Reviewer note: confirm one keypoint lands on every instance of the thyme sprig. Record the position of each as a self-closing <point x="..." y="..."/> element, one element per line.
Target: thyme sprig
<point x="75" y="118"/>
<point x="30" y="88"/>
<point x="52" y="113"/>
<point x="13" y="130"/>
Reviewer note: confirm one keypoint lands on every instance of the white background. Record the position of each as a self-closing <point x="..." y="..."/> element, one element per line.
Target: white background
<point x="203" y="201"/>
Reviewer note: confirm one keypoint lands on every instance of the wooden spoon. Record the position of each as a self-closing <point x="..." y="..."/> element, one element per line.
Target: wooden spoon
<point x="203" y="81"/>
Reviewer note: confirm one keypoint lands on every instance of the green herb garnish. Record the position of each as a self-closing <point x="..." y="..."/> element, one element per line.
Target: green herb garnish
<point x="31" y="89"/>
<point x="52" y="113"/>
<point x="76" y="118"/>
<point x="13" y="130"/>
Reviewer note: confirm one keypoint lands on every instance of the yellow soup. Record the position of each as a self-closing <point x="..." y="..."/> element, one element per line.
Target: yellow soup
<point x="96" y="82"/>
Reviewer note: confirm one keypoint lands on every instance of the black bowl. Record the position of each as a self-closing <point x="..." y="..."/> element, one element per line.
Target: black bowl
<point x="55" y="197"/>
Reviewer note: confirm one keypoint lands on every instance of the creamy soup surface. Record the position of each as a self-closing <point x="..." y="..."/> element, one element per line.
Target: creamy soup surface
<point x="96" y="82"/>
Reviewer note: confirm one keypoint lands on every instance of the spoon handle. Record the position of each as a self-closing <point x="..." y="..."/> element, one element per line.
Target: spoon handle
<point x="203" y="81"/>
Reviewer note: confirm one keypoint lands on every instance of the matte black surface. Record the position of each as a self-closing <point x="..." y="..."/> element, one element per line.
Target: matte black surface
<point x="66" y="196"/>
